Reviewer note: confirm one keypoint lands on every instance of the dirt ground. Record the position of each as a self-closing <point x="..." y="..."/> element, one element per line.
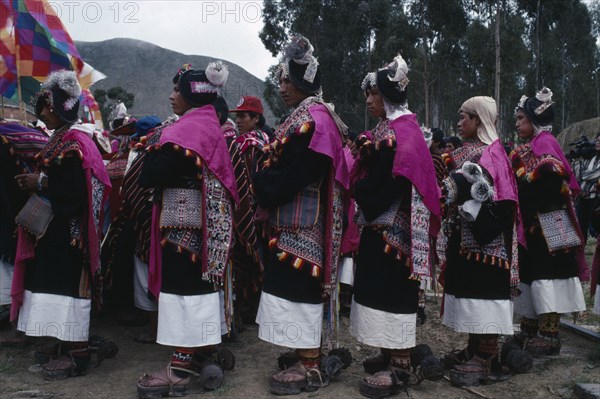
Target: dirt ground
<point x="256" y="361"/>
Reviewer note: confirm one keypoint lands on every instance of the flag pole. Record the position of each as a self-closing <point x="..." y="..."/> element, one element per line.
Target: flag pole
<point x="19" y="94"/>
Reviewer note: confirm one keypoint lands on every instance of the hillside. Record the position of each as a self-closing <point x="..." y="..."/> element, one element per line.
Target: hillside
<point x="147" y="70"/>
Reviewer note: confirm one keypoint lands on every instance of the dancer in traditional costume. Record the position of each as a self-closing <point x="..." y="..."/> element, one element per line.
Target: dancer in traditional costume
<point x="302" y="188"/>
<point x="191" y="233"/>
<point x="57" y="266"/>
<point x="18" y="147"/>
<point x="399" y="215"/>
<point x="552" y="260"/>
<point x="482" y="261"/>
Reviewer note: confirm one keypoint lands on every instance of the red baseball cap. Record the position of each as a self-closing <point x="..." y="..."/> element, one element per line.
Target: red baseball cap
<point x="249" y="104"/>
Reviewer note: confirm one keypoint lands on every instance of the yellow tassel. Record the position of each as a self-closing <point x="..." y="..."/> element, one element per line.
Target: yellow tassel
<point x="486" y="259"/>
<point x="282" y="256"/>
<point x="469" y="255"/>
<point x="387" y="249"/>
<point x="305" y="128"/>
<point x="73" y="242"/>
<point x="194" y="258"/>
<point x="316" y="271"/>
<point x="176" y="147"/>
<point x="179" y="249"/>
<point x="198" y="161"/>
<point x="163" y="242"/>
<point x="272" y="242"/>
<point x="298" y="263"/>
<point x="188" y="153"/>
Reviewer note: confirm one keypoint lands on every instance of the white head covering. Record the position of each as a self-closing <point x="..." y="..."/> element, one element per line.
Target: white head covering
<point x="485" y="109"/>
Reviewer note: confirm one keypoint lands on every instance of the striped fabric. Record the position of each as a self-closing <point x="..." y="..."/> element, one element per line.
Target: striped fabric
<point x="136" y="207"/>
<point x="24" y="143"/>
<point x="245" y="229"/>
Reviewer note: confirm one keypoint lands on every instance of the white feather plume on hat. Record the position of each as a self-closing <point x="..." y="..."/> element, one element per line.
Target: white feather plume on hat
<point x="217" y="73"/>
<point x="400" y="68"/>
<point x="64" y="80"/>
<point x="300" y="50"/>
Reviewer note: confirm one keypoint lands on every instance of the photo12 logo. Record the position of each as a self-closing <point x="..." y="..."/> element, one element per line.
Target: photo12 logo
<point x="231" y="11"/>
<point x="92" y="12"/>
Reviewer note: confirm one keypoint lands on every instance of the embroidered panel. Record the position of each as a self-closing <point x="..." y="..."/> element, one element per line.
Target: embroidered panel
<point x="386" y="219"/>
<point x="219" y="226"/>
<point x="189" y="240"/>
<point x="337" y="227"/>
<point x="558" y="230"/>
<point x="496" y="249"/>
<point x="383" y="135"/>
<point x="294" y="122"/>
<point x="468" y="152"/>
<point x="304" y="242"/>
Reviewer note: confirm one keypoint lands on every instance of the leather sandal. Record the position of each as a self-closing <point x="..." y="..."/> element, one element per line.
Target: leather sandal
<point x="478" y="371"/>
<point x="540" y="345"/>
<point x="161" y="383"/>
<point x="278" y="386"/>
<point x="399" y="380"/>
<point x="74" y="364"/>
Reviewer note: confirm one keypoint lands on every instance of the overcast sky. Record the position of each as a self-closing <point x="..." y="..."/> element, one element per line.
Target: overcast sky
<point x="221" y="29"/>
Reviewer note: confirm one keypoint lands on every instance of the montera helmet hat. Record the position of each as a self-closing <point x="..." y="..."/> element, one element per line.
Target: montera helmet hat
<point x="61" y="92"/>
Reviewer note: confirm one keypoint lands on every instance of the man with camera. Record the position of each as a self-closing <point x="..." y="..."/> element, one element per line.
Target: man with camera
<point x="585" y="158"/>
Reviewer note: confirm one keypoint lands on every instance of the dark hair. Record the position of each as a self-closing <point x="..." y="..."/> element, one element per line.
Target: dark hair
<point x="455" y="140"/>
<point x="269" y="131"/>
<point x="261" y="119"/>
<point x="222" y="109"/>
<point x="437" y="135"/>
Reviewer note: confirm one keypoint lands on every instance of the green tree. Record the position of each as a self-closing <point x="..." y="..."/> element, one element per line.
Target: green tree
<point x="455" y="49"/>
<point x="107" y="98"/>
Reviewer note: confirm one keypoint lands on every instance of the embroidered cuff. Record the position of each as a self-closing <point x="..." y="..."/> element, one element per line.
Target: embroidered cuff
<point x="451" y="190"/>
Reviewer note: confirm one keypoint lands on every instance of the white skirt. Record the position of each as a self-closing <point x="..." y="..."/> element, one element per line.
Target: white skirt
<point x="382" y="329"/>
<point x="478" y="316"/>
<point x="140" y="286"/>
<point x="58" y="316"/>
<point x="597" y="300"/>
<point x="550" y="296"/>
<point x="6" y="276"/>
<point x="291" y="324"/>
<point x="189" y="321"/>
<point x="346" y="270"/>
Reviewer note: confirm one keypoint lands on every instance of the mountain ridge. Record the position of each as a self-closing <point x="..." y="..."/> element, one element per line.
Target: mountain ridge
<point x="147" y="70"/>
